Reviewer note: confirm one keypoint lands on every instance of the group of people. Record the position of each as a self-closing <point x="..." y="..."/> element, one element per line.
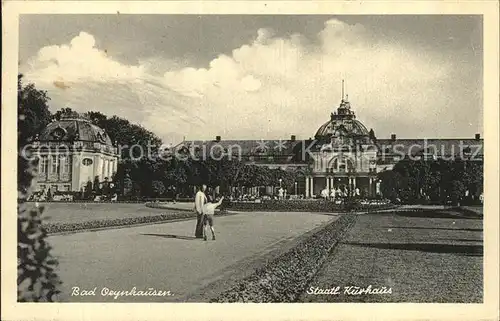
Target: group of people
<point x="205" y="205"/>
<point x="339" y="193"/>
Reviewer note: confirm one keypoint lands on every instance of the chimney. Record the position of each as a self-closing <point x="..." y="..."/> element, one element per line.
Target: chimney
<point x="478" y="136"/>
<point x="293" y="138"/>
<point x="393" y="137"/>
<point x="217" y="138"/>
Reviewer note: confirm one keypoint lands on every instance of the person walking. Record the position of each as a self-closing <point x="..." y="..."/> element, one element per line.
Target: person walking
<point x="199" y="201"/>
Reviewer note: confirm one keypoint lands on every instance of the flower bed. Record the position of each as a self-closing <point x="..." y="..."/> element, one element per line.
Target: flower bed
<point x="131" y="201"/>
<point x="307" y="206"/>
<point x="166" y="206"/>
<point x="53" y="228"/>
<point x="285" y="278"/>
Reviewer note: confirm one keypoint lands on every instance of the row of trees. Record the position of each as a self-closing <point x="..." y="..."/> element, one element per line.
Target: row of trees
<point x="434" y="181"/>
<point x="157" y="178"/>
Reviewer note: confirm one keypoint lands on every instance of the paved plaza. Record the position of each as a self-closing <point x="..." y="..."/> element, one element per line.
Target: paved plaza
<point x="166" y="257"/>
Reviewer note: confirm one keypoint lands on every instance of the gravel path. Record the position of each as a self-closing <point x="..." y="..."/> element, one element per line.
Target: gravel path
<point x="167" y="257"/>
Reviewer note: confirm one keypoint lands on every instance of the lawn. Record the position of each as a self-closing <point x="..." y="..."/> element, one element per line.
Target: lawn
<point x="83" y="212"/>
<point x="426" y="256"/>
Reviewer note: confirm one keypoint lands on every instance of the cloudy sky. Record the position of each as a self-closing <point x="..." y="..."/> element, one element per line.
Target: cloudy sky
<point x="261" y="77"/>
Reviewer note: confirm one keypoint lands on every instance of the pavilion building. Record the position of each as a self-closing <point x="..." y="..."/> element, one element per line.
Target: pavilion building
<point x="73" y="152"/>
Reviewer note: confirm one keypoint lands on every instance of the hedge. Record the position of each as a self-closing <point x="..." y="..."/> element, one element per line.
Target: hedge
<point x="285" y="278"/>
<point x="305" y="206"/>
<point x="467" y="212"/>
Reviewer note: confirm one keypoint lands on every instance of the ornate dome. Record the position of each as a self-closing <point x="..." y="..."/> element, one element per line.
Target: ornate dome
<point x="342" y="123"/>
<point x="74" y="130"/>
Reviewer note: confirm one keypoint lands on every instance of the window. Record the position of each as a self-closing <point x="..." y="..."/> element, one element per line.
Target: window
<point x="44" y="164"/>
<point x="103" y="168"/>
<point x="53" y="188"/>
<point x="110" y="168"/>
<point x="87" y="161"/>
<point x="66" y="162"/>
<point x="55" y="164"/>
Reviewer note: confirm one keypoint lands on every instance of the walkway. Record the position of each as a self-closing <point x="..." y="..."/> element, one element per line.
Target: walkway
<point x="166" y="257"/>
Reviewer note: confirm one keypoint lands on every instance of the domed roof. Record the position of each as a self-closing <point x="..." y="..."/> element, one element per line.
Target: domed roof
<point x="351" y="127"/>
<point x="74" y="130"/>
<point x="343" y="123"/>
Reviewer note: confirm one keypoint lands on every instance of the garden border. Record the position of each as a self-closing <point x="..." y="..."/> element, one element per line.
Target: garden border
<point x="104" y="224"/>
<point x="286" y="277"/>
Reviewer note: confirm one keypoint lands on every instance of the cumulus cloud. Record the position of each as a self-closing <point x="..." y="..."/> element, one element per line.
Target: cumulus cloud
<point x="271" y="87"/>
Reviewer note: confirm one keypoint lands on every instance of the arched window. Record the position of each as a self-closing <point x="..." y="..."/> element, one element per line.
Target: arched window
<point x="341" y="165"/>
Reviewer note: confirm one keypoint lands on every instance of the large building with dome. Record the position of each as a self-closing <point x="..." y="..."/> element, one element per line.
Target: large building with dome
<point x="73" y="152"/>
<point x="342" y="154"/>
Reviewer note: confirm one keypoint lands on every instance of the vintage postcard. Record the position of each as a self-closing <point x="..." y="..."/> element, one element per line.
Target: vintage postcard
<point x="235" y="160"/>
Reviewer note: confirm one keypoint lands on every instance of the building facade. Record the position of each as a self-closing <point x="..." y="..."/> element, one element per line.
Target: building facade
<point x="73" y="152"/>
<point x="343" y="154"/>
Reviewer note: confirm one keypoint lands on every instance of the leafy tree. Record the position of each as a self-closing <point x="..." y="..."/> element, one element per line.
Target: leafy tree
<point x="127" y="185"/>
<point x="158" y="188"/>
<point x="128" y="135"/>
<point x="392" y="183"/>
<point x="457" y="191"/>
<point x="37" y="279"/>
<point x="65" y="113"/>
<point x="433" y="179"/>
<point x="97" y="187"/>
<point x="88" y="190"/>
<point x="97" y="118"/>
<point x="33" y="111"/>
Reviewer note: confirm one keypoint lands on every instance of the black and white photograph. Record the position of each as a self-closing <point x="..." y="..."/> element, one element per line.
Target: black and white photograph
<point x="252" y="158"/>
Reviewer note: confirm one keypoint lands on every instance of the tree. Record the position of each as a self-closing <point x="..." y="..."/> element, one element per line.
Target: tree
<point x="37" y="279"/>
<point x="97" y="185"/>
<point x="33" y="111"/>
<point x="96" y="118"/>
<point x="65" y="113"/>
<point x="128" y="135"/>
<point x="88" y="190"/>
<point x="158" y="188"/>
<point x="127" y="185"/>
<point x="392" y="183"/>
<point x="457" y="191"/>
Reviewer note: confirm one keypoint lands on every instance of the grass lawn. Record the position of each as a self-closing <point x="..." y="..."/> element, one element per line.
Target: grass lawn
<point x="82" y="212"/>
<point x="428" y="256"/>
